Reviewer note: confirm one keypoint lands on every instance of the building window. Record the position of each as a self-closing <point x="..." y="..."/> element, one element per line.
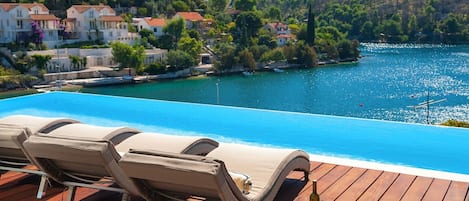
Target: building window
<point x="36" y="11"/>
<point x="110" y="34"/>
<point x="91" y="14"/>
<point x="51" y="34"/>
<point x="19" y="24"/>
<point x="19" y="13"/>
<point x="78" y="24"/>
<point x="93" y="25"/>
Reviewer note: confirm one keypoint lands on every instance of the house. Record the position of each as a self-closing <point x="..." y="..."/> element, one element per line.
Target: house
<point x="192" y="19"/>
<point x="95" y="22"/>
<point x="280" y="31"/>
<point x="99" y="57"/>
<point x="18" y="22"/>
<point x="153" y="24"/>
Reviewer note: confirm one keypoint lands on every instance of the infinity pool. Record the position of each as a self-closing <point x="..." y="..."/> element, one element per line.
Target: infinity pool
<point x="414" y="145"/>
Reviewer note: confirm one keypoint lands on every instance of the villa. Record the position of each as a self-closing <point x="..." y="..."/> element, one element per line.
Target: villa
<point x="153" y="24"/>
<point x="95" y="22"/>
<point x="280" y="31"/>
<point x="192" y="19"/>
<point x="17" y="19"/>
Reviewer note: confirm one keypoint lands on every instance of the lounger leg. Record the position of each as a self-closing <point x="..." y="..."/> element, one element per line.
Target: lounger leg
<point x="71" y="193"/>
<point x="42" y="186"/>
<point x="125" y="197"/>
<point x="306" y="176"/>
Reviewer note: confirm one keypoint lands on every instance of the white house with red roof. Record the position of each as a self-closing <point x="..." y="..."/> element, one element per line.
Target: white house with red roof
<point x="17" y="19"/>
<point x="153" y="24"/>
<point x="192" y="19"/>
<point x="280" y="31"/>
<point x="91" y="22"/>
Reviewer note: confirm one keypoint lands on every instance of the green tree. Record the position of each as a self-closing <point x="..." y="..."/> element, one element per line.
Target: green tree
<point x="41" y="61"/>
<point x="166" y="42"/>
<point x="191" y="46"/>
<point x="247" y="60"/>
<point x="228" y="57"/>
<point x="149" y="36"/>
<point x="452" y="25"/>
<point x="142" y="11"/>
<point x="310" y="28"/>
<point x="245" y="5"/>
<point x="275" y="13"/>
<point x="273" y="55"/>
<point x="128" y="56"/>
<point x="267" y="40"/>
<point x="175" y="28"/>
<point x="75" y="60"/>
<point x="305" y="55"/>
<point x="178" y="60"/>
<point x="345" y="49"/>
<point x="217" y="5"/>
<point x="247" y="26"/>
<point x="180" y="6"/>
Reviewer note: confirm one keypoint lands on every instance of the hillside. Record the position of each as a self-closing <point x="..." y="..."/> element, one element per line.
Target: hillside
<point x="423" y="21"/>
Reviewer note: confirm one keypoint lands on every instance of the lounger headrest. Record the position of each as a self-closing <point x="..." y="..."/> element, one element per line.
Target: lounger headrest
<point x="11" y="141"/>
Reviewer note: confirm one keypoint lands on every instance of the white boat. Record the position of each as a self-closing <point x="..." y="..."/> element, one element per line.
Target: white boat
<point x="278" y="70"/>
<point x="247" y="73"/>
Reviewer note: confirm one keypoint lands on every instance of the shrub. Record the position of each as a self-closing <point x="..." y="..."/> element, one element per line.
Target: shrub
<point x="455" y="123"/>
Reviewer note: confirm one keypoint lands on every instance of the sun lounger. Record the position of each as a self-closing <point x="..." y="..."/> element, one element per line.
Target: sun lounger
<point x="81" y="161"/>
<point x="170" y="175"/>
<point x="14" y="130"/>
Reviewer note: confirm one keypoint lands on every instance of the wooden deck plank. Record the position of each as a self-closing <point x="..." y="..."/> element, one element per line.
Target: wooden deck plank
<point x="11" y="176"/>
<point x="331" y="177"/>
<point x="320" y="171"/>
<point x="335" y="182"/>
<point x="380" y="186"/>
<point x="437" y="190"/>
<point x="457" y="191"/>
<point x="315" y="174"/>
<point x="334" y="191"/>
<point x="398" y="188"/>
<point x="17" y="192"/>
<point x="360" y="185"/>
<point x="418" y="189"/>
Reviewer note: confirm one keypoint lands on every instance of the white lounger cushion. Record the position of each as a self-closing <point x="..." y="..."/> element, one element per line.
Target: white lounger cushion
<point x="36" y="124"/>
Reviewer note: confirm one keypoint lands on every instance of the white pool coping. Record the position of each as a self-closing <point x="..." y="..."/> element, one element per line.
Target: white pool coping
<point x="391" y="168"/>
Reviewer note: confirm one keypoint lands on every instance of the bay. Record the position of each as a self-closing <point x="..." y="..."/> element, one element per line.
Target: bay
<point x="387" y="82"/>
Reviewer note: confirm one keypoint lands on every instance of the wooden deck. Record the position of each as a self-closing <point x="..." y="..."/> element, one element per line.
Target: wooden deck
<point x="335" y="182"/>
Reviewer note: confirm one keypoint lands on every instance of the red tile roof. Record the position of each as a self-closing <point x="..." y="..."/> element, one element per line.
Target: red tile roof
<point x="83" y="8"/>
<point x="155" y="22"/>
<point x="192" y="16"/>
<point x="277" y="25"/>
<point x="111" y="18"/>
<point x="9" y="6"/>
<point x="284" y="36"/>
<point x="44" y="17"/>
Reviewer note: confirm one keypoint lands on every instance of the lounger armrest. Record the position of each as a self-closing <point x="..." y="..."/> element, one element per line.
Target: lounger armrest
<point x="171" y="143"/>
<point x="169" y="154"/>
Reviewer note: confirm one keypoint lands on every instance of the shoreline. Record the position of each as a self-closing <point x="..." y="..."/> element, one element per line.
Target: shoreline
<point x="76" y="85"/>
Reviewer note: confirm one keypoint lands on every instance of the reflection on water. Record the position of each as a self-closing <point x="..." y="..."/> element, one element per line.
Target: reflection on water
<point x="387" y="80"/>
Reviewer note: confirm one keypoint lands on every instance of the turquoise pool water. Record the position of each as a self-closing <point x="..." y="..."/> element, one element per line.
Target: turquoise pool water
<point x="415" y="145"/>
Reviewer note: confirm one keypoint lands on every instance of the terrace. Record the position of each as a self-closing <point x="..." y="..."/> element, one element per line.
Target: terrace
<point x="371" y="160"/>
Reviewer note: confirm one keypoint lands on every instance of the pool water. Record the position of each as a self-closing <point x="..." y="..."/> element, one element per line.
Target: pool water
<point x="414" y="145"/>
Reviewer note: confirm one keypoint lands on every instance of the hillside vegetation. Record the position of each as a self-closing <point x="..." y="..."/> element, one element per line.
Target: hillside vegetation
<point x="395" y="21"/>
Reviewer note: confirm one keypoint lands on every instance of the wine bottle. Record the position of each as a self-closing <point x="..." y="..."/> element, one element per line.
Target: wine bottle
<point x="314" y="195"/>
